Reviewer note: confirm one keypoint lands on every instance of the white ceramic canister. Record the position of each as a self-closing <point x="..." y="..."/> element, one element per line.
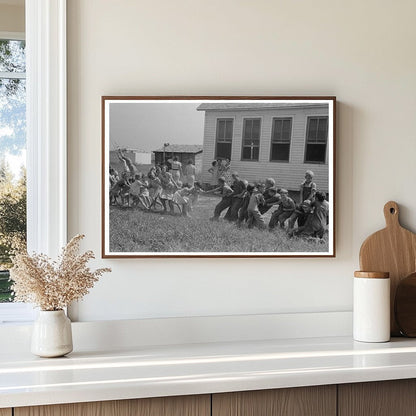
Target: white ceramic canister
<point x="371" y="322"/>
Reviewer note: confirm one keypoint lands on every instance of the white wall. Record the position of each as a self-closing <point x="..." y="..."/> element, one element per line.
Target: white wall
<point x="361" y="51"/>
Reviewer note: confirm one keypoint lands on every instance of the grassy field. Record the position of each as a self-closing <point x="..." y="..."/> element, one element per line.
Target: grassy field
<point x="133" y="230"/>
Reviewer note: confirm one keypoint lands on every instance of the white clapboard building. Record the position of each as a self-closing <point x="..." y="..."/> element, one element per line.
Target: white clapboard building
<point x="278" y="140"/>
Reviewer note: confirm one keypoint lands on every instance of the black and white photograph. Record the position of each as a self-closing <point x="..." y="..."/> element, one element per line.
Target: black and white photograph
<point x="218" y="177"/>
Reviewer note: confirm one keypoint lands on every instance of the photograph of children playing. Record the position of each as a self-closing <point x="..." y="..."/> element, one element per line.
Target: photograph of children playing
<point x="175" y="205"/>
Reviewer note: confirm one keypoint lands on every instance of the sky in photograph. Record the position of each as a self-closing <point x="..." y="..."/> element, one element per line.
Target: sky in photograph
<point x="146" y="126"/>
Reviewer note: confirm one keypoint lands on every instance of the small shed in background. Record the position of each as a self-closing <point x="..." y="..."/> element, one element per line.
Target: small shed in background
<point x="139" y="157"/>
<point x="184" y="153"/>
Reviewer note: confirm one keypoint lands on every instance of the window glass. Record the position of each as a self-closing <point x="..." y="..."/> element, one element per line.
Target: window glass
<point x="316" y="139"/>
<point x="229" y="129"/>
<point x="12" y="155"/>
<point x="322" y="130"/>
<point x="312" y="129"/>
<point x="256" y="129"/>
<point x="280" y="152"/>
<point x="12" y="55"/>
<point x="281" y="136"/>
<point x="221" y="129"/>
<point x="251" y="139"/>
<point x="224" y="138"/>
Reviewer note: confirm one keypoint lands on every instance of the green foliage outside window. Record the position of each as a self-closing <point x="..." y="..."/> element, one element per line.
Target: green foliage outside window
<point x="12" y="146"/>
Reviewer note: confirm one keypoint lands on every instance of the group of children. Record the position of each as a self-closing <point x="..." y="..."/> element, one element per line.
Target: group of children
<point x="220" y="169"/>
<point x="249" y="202"/>
<point x="160" y="186"/>
<point x="245" y="202"/>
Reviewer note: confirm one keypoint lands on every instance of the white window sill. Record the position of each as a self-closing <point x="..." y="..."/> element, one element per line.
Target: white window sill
<point x="16" y="313"/>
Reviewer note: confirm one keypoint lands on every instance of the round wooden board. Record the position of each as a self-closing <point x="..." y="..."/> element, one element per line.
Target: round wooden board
<point x="405" y="306"/>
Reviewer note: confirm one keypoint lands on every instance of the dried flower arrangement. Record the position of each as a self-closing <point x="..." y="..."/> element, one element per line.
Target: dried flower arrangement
<point x="53" y="285"/>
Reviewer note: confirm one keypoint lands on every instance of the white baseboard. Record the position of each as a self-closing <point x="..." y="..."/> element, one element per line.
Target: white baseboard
<point x="127" y="334"/>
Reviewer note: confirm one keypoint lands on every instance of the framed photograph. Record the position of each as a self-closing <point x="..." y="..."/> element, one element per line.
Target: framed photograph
<point x="218" y="176"/>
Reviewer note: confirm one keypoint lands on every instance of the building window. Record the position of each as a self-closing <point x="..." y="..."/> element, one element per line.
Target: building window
<point x="12" y="156"/>
<point x="224" y="138"/>
<point x="251" y="139"/>
<point x="281" y="136"/>
<point x="316" y="139"/>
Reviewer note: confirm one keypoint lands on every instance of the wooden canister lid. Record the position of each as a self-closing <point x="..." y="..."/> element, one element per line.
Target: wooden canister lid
<point x="372" y="275"/>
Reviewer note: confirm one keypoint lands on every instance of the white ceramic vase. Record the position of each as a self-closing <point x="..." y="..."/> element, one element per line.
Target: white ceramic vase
<point x="52" y="334"/>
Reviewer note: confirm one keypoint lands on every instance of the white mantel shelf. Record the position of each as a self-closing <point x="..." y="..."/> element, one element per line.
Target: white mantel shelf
<point x="151" y="371"/>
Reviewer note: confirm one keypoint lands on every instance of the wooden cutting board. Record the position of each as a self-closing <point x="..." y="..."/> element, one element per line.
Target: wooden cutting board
<point x="393" y="250"/>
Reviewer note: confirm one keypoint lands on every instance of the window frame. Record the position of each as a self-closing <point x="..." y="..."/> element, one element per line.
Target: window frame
<point x="242" y="138"/>
<point x="218" y="119"/>
<point x="308" y="118"/>
<point x="290" y="139"/>
<point x="46" y="121"/>
<point x="46" y="137"/>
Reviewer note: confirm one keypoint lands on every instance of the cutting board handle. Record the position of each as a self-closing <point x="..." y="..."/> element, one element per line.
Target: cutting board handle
<point x="391" y="214"/>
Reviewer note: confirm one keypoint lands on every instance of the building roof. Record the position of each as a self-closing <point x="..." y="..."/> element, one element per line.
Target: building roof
<point x="255" y="106"/>
<point x="128" y="149"/>
<point x="181" y="148"/>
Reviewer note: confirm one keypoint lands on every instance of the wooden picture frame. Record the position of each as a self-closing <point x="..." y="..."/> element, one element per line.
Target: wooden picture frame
<point x="236" y="141"/>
